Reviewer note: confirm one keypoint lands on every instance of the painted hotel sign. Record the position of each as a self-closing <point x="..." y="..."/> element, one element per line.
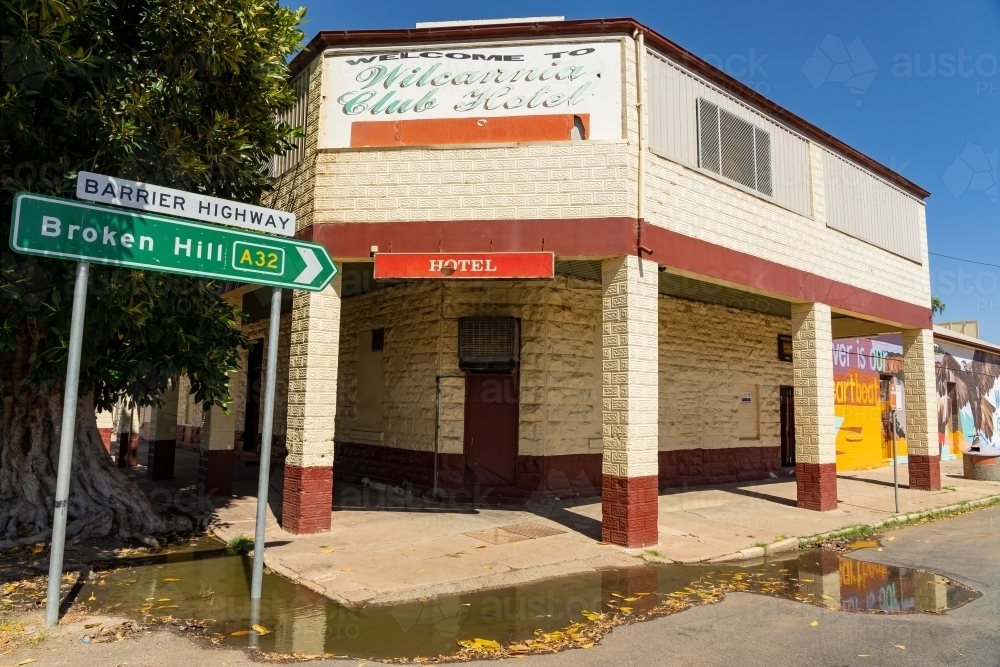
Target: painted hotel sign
<point x="475" y="266"/>
<point x="473" y="95"/>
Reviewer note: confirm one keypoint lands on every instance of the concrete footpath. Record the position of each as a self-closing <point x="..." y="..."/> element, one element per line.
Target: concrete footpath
<point x="384" y="548"/>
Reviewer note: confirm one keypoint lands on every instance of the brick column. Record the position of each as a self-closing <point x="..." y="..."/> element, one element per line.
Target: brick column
<point x="312" y="409"/>
<point x="630" y="390"/>
<point x="215" y="467"/>
<point x="920" y="386"/>
<point x="163" y="436"/>
<point x="815" y="437"/>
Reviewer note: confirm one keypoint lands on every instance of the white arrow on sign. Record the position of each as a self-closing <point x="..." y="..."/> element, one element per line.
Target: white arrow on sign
<point x="313" y="267"/>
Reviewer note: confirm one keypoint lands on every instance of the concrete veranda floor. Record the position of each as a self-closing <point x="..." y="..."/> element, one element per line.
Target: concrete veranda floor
<point x="386" y="549"/>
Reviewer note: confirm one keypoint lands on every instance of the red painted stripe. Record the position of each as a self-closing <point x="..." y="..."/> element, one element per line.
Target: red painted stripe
<point x="594" y="238"/>
<point x="468" y="266"/>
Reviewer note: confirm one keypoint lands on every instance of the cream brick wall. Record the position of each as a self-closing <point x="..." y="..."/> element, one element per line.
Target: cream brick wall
<point x="812" y="350"/>
<point x="557" y="401"/>
<point x="255" y="331"/>
<point x="694" y="204"/>
<point x="921" y="392"/>
<point x="629" y="361"/>
<point x="706" y="352"/>
<point x="312" y="376"/>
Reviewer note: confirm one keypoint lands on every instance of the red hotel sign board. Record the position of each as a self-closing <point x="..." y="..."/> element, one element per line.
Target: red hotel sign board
<point x="468" y="265"/>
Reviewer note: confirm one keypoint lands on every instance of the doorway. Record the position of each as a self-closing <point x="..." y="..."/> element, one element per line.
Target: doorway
<point x="491" y="429"/>
<point x="251" y="423"/>
<point x="787" y="417"/>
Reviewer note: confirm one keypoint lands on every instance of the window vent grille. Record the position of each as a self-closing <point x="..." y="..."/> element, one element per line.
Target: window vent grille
<point x="378" y="340"/>
<point x="488" y="343"/>
<point x="733" y="147"/>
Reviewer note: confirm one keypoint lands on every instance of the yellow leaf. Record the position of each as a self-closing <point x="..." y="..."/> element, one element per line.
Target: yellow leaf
<point x="102" y="583"/>
<point x="481" y="643"/>
<point x="617" y="595"/>
<point x="27" y="662"/>
<point x="487" y="567"/>
<point x="261" y="630"/>
<point x="627" y="610"/>
<point x="88" y="626"/>
<point x="91" y="598"/>
<point x="890" y="539"/>
<point x="164" y="600"/>
<point x="864" y="655"/>
<point x="346" y="569"/>
<point x="591" y="615"/>
<point x="900" y="646"/>
<point x="814" y="623"/>
<point x="241" y="633"/>
<point x="633" y="599"/>
<point x="171" y="579"/>
<point x="587" y="645"/>
<point x="37" y="549"/>
<point x="481" y="546"/>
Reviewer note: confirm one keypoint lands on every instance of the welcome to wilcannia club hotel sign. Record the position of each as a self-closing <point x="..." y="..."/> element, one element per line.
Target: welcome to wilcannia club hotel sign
<point x="473" y="94"/>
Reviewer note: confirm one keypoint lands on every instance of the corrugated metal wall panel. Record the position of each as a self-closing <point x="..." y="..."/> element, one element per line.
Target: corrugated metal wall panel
<point x="864" y="206"/>
<point x="673" y="93"/>
<point x="296" y="117"/>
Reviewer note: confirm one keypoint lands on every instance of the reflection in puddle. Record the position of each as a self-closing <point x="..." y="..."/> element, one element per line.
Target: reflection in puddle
<point x="203" y="583"/>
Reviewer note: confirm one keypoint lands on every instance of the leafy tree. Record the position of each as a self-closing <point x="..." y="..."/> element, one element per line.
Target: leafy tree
<point x="937" y="306"/>
<point x="180" y="93"/>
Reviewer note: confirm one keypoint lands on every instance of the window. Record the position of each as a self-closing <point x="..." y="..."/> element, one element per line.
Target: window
<point x="733" y="148"/>
<point x="748" y="413"/>
<point x="370" y="381"/>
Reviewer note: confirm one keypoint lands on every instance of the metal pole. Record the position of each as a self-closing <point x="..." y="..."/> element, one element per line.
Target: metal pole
<point x="271" y="373"/>
<point x="66" y="434"/>
<point x="895" y="470"/>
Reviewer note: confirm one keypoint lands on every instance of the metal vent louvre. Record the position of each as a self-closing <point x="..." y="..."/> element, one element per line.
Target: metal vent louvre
<point x="296" y="117"/>
<point x="488" y="343"/>
<point x="733" y="147"/>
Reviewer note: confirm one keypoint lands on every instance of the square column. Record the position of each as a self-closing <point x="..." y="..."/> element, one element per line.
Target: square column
<point x="815" y="436"/>
<point x="162" y="436"/>
<point x="215" y="467"/>
<point x="630" y="393"/>
<point x="312" y="409"/>
<point x="920" y="385"/>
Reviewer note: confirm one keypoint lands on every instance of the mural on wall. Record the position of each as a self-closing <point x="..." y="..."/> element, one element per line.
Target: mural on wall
<point x="968" y="389"/>
<point x="968" y="393"/>
<point x="862" y="371"/>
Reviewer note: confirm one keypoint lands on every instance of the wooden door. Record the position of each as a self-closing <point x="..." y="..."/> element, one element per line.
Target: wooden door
<point x="787" y="416"/>
<point x="491" y="421"/>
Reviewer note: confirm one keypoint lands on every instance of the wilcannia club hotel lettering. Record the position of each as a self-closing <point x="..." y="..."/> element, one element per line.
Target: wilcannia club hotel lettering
<point x="386" y="87"/>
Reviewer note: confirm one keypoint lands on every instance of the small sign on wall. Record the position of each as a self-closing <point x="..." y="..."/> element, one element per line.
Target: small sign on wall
<point x="784" y="347"/>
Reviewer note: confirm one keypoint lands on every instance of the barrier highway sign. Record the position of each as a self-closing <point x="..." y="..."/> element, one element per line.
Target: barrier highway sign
<point x="183" y="204"/>
<point x="84" y="232"/>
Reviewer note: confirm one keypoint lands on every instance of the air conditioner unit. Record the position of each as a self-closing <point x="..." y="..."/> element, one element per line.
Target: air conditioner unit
<point x="489" y="344"/>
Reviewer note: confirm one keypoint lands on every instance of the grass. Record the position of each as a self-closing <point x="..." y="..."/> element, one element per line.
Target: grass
<point x="240" y="545"/>
<point x="762" y="545"/>
<point x="862" y="531"/>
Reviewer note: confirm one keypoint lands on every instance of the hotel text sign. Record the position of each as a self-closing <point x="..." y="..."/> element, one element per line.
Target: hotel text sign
<point x="579" y="80"/>
<point x="471" y="266"/>
<point x="168" y="201"/>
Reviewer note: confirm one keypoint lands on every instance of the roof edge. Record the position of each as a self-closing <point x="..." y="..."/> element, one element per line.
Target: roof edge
<point x="331" y="38"/>
<point x="962" y="339"/>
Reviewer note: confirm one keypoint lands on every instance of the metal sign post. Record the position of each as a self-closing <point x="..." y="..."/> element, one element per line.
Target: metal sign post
<point x="263" y="482"/>
<point x="66" y="434"/>
<point x="894" y="402"/>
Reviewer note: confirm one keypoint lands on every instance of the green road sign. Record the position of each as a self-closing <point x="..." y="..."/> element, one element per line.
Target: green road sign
<point x="83" y="232"/>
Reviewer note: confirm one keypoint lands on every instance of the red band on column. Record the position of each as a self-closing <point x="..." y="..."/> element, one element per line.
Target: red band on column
<point x="925" y="472"/>
<point x="307" y="500"/>
<point x="629" y="510"/>
<point x="816" y="486"/>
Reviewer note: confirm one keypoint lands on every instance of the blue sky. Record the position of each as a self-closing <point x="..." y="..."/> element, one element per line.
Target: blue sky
<point x="918" y="89"/>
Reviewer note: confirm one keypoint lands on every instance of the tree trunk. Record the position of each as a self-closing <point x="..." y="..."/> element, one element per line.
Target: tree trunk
<point x="102" y="500"/>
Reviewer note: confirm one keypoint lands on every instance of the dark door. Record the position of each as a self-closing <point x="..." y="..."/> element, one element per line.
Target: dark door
<point x="251" y="425"/>
<point x="885" y="389"/>
<point x="787" y="395"/>
<point x="491" y="414"/>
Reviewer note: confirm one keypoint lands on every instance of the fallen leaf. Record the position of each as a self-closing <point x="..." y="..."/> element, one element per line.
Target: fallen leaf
<point x="880" y="548"/>
<point x="346" y="569"/>
<point x="171" y="579"/>
<point x="241" y="633"/>
<point x="890" y="539"/>
<point x="900" y="647"/>
<point x="481" y="546"/>
<point x="814" y="623"/>
<point x="587" y="645"/>
<point x="421" y="570"/>
<point x="487" y="567"/>
<point x="102" y="583"/>
<point x="626" y="610"/>
<point x="864" y="655"/>
<point x="261" y="630"/>
<point x="164" y="600"/>
<point x="481" y="643"/>
<point x="27" y="662"/>
<point x="91" y="598"/>
<point x="88" y="626"/>
<point x="37" y="549"/>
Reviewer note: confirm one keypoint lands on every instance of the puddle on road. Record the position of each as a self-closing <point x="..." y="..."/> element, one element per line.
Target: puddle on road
<point x="202" y="582"/>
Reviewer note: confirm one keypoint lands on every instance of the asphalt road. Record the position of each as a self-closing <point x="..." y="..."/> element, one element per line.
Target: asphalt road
<point x="744" y="629"/>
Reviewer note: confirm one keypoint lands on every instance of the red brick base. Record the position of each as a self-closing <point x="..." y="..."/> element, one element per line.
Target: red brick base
<point x="816" y="486"/>
<point x="308" y="499"/>
<point x="106" y="435"/>
<point x="925" y="472"/>
<point x="629" y="510"/>
<point x="215" y="472"/>
<point x="160" y="459"/>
